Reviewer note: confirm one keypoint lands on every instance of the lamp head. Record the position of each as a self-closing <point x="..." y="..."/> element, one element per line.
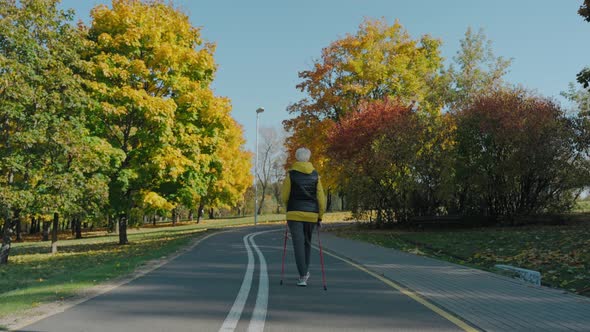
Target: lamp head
<point x="260" y="110"/>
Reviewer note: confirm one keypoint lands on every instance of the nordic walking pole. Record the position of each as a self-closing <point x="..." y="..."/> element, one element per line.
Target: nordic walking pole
<point x="284" y="253"/>
<point x="322" y="261"/>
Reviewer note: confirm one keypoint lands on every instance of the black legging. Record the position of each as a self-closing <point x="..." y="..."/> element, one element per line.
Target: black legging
<point x="301" y="235"/>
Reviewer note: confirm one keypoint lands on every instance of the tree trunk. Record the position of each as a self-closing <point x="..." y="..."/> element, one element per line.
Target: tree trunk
<point x="342" y="203"/>
<point x="190" y="215"/>
<point x="18" y="224"/>
<point x="6" y="241"/>
<point x="54" y="233"/>
<point x="123" y="230"/>
<point x="329" y="202"/>
<point x="33" y="229"/>
<point x="73" y="225"/>
<point x="211" y="213"/>
<point x="78" y="227"/>
<point x="200" y="212"/>
<point x="174" y="216"/>
<point x="46" y="231"/>
<point x="154" y="220"/>
<point x="112" y="224"/>
<point x="261" y="203"/>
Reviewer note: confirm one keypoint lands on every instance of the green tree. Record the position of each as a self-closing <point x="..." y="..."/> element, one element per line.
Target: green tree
<point x="47" y="152"/>
<point x="475" y="70"/>
<point x="152" y="73"/>
<point x="581" y="119"/>
<point x="584" y="10"/>
<point x="584" y="75"/>
<point x="129" y="77"/>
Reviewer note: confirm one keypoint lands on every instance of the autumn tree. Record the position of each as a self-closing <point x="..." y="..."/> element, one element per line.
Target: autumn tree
<point x="475" y="70"/>
<point x="516" y="156"/>
<point x="378" y="61"/>
<point x="394" y="160"/>
<point x="152" y="73"/>
<point x="229" y="176"/>
<point x="312" y="133"/>
<point x="213" y="141"/>
<point x="48" y="155"/>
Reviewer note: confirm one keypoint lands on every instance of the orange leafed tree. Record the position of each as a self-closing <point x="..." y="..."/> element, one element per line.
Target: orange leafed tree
<point x="516" y="156"/>
<point x="378" y="61"/>
<point x="395" y="161"/>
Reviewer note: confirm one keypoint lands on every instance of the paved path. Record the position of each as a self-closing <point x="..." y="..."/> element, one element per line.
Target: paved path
<point x="230" y="282"/>
<point x="486" y="300"/>
<point x="197" y="291"/>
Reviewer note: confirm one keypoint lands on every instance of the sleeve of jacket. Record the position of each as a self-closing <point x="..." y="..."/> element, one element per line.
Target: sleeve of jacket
<point x="321" y="199"/>
<point x="286" y="190"/>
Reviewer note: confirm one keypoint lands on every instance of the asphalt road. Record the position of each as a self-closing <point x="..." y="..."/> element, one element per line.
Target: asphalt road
<point x="230" y="282"/>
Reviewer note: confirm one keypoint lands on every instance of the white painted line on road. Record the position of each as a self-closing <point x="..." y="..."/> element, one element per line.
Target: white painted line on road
<point x="259" y="313"/>
<point x="231" y="321"/>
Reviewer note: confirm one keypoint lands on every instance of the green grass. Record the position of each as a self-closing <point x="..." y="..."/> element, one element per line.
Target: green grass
<point x="34" y="276"/>
<point x="560" y="253"/>
<point x="582" y="206"/>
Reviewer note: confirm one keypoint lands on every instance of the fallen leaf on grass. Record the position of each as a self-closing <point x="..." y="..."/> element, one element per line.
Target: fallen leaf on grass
<point x="416" y="251"/>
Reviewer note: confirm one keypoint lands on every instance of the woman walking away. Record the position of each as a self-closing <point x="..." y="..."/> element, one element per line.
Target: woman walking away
<point x="304" y="198"/>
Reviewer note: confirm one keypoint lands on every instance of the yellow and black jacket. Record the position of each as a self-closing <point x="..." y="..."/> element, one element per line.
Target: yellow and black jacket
<point x="303" y="194"/>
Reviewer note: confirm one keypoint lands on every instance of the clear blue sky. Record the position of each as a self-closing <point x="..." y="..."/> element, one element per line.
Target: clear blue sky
<point x="262" y="44"/>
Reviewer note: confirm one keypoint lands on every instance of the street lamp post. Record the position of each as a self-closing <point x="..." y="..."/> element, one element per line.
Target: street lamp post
<point x="258" y="111"/>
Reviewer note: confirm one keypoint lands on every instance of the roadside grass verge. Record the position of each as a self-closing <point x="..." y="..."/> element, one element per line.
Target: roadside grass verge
<point x="560" y="253"/>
